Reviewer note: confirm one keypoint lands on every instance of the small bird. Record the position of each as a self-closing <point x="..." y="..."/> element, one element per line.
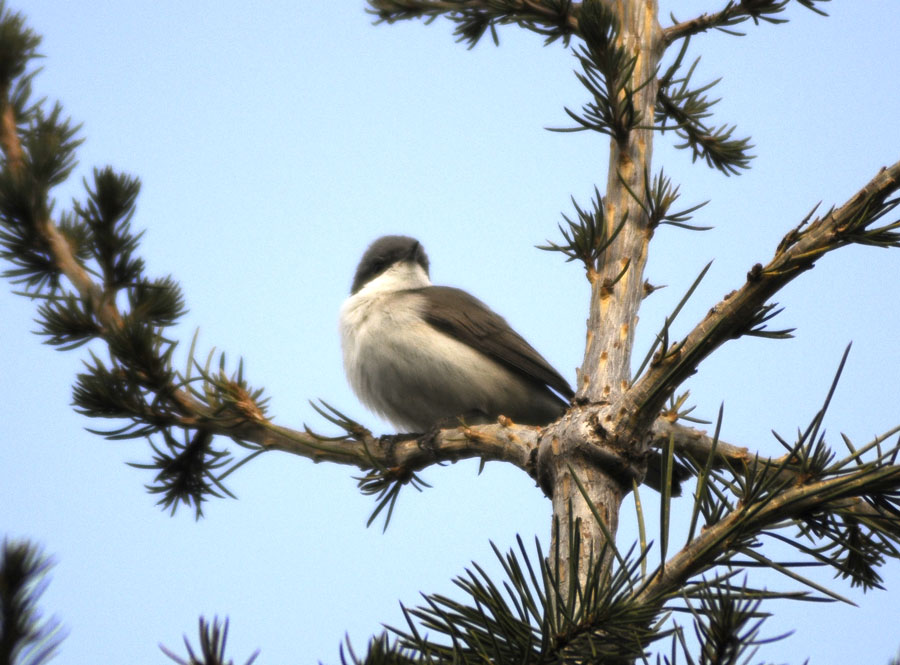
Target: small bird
<point x="425" y="356"/>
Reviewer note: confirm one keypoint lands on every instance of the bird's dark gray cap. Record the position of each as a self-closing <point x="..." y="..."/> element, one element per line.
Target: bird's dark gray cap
<point x="385" y="252"/>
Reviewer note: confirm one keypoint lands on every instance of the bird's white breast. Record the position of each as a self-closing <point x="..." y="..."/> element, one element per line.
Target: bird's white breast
<point x="381" y="331"/>
<point x="414" y="375"/>
<point x="405" y="370"/>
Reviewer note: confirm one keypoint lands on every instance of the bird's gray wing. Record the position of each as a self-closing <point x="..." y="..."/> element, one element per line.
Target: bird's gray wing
<point x="467" y="319"/>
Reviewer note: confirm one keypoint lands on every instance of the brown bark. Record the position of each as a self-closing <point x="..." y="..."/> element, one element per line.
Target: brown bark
<point x="606" y="370"/>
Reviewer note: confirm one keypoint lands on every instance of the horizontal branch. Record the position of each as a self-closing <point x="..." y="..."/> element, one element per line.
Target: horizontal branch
<point x="505" y="442"/>
<point x="502" y="442"/>
<point x="738" y="311"/>
<point x="698" y="445"/>
<point x="700" y="448"/>
<point x="409" y="452"/>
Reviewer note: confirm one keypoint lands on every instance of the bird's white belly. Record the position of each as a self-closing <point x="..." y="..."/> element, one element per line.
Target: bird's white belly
<point x="412" y="374"/>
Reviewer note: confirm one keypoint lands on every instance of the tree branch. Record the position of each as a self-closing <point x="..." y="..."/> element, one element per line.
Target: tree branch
<point x="9" y="138"/>
<point x="842" y="492"/>
<point x="554" y="20"/>
<point x="740" y="310"/>
<point x="732" y="14"/>
<point x="505" y="442"/>
<point x="697" y="445"/>
<point x="61" y="251"/>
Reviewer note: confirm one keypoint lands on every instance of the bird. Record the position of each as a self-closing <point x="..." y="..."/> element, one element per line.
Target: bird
<point x="424" y="356"/>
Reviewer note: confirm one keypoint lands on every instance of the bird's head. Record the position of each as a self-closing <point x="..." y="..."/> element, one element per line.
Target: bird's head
<point x="396" y="262"/>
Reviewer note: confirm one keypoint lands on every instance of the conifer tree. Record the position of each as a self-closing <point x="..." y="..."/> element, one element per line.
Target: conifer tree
<point x="582" y="597"/>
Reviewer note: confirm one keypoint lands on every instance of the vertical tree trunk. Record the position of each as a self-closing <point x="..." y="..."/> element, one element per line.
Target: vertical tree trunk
<point x="606" y="372"/>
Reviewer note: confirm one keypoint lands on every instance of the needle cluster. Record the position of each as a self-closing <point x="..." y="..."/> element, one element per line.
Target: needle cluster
<point x="82" y="266"/>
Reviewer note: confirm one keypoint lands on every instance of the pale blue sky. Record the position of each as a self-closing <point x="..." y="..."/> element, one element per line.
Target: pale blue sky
<point x="274" y="143"/>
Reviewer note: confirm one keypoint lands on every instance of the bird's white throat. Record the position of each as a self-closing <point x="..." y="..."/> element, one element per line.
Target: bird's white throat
<point x="400" y="276"/>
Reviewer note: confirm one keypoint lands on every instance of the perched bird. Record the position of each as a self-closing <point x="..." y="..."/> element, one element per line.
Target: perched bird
<point x="423" y="356"/>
